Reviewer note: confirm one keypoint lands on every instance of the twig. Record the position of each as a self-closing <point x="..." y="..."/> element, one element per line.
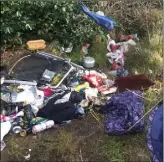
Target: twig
<point x="84" y="137"/>
<point x="97" y="119"/>
<point x="81" y="156"/>
<point x="144" y="115"/>
<point x="95" y="114"/>
<point x="89" y="135"/>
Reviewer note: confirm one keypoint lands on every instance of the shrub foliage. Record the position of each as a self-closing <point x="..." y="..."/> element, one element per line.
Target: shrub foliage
<point x="63" y="20"/>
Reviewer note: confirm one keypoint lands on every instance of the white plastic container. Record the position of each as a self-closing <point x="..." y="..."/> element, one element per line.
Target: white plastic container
<point x="89" y="62"/>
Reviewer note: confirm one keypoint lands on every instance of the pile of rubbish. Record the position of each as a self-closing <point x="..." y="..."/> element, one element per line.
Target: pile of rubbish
<point x="42" y="91"/>
<point x="52" y="91"/>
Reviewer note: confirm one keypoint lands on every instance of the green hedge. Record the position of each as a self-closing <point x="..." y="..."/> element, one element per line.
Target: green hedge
<point x="48" y="20"/>
<point x="64" y="21"/>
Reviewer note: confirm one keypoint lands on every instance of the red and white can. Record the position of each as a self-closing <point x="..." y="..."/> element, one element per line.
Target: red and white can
<point x="42" y="126"/>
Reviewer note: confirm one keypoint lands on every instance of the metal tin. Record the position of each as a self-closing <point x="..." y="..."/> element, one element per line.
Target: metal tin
<point x="17" y="129"/>
<point x="43" y="126"/>
<point x="89" y="62"/>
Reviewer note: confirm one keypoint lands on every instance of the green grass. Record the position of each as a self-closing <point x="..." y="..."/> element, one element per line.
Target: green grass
<point x="98" y="50"/>
<point x="146" y="57"/>
<point x="76" y="57"/>
<point x="112" y="149"/>
<point x="70" y="143"/>
<point x="125" y="148"/>
<point x="154" y="94"/>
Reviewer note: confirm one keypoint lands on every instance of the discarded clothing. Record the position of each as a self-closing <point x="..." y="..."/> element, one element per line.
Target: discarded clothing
<point x="155" y="133"/>
<point x="59" y="94"/>
<point x="136" y="82"/>
<point x="76" y="97"/>
<point x="64" y="99"/>
<point x="122" y="111"/>
<point x="58" y="112"/>
<point x="66" y="95"/>
<point x="61" y="107"/>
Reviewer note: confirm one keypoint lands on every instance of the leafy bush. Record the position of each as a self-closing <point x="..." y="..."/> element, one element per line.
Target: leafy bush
<point x="61" y="20"/>
<point x="65" y="22"/>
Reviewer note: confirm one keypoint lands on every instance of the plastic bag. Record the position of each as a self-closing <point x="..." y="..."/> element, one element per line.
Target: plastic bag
<point x="3" y="145"/>
<point x="30" y="95"/>
<point x="95" y="80"/>
<point x="5" y="128"/>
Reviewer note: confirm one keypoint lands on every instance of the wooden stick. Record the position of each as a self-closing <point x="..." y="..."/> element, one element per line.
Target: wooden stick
<point x="95" y="114"/>
<point x="144" y="115"/>
<point x="97" y="119"/>
<point x="81" y="156"/>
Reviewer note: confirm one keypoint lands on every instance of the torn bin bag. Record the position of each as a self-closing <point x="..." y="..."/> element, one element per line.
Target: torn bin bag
<point x="122" y="111"/>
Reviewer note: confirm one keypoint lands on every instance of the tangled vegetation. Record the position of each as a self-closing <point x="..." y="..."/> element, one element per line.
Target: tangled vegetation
<point x="49" y="20"/>
<point x="65" y="22"/>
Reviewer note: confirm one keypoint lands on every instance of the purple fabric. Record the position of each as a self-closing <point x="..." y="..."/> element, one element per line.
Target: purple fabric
<point x="122" y="111"/>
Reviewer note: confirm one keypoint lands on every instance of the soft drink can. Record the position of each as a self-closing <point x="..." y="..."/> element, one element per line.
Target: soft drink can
<point x="43" y="126"/>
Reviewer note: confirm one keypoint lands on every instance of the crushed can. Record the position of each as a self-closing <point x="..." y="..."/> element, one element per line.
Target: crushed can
<point x="42" y="126"/>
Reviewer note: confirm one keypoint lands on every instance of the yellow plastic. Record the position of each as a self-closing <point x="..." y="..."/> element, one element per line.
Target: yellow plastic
<point x="36" y="44"/>
<point x="82" y="86"/>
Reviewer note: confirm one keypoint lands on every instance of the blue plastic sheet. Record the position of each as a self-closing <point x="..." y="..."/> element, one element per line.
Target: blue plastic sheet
<point x="104" y="21"/>
<point x="155" y="134"/>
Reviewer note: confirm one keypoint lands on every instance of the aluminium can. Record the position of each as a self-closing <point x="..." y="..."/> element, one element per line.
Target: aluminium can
<point x="43" y="126"/>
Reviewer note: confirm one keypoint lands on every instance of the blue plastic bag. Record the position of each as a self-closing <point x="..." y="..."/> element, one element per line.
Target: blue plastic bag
<point x="104" y="21"/>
